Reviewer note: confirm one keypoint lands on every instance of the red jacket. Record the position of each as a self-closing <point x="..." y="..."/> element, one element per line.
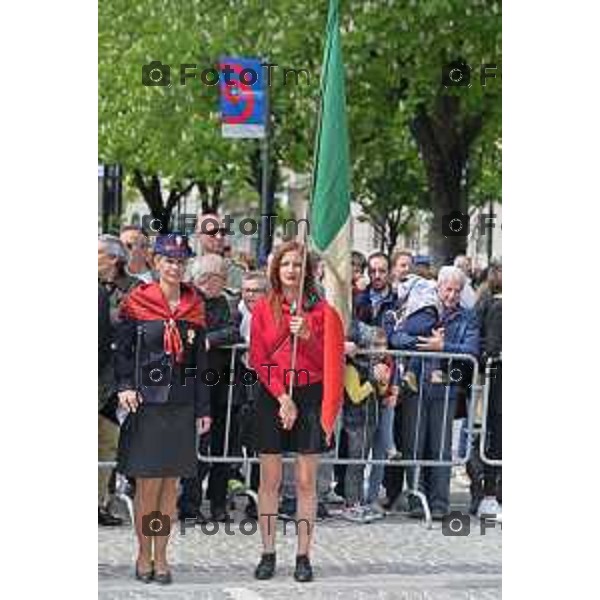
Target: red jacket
<point x="271" y="344"/>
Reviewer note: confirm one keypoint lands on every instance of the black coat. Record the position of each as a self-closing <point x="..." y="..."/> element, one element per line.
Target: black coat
<point x="490" y="317"/>
<point x="221" y="330"/>
<point x="158" y="379"/>
<point x="104" y="328"/>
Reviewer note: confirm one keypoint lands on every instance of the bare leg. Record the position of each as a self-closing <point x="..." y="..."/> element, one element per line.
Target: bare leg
<point x="306" y="492"/>
<point x="268" y="498"/>
<point x="168" y="507"/>
<point x="147" y="491"/>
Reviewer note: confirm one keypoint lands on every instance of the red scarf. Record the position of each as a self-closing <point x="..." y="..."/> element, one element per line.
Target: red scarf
<point x="148" y="303"/>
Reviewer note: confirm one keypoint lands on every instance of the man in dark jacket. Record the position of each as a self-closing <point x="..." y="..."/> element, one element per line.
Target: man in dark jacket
<point x="490" y="310"/>
<point x="209" y="273"/>
<point x="370" y="308"/>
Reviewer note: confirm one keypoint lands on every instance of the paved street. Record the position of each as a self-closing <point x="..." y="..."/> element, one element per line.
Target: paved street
<point x="393" y="558"/>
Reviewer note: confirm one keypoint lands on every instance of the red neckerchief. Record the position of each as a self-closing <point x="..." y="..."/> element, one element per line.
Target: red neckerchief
<point x="148" y="303"/>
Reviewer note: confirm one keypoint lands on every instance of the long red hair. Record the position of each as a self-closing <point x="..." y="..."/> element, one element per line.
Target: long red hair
<point x="275" y="295"/>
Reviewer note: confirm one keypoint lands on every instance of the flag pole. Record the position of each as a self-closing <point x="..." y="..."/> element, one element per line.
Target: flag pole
<point x="304" y="240"/>
<point x="298" y="311"/>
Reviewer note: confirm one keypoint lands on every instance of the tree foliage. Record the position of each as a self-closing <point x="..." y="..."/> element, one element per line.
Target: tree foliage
<point x="414" y="143"/>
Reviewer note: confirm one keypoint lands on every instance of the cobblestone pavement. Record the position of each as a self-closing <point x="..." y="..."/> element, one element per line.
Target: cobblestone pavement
<point x="392" y="558"/>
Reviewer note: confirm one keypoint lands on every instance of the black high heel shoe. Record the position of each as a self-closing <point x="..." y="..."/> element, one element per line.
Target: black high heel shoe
<point x="266" y="566"/>
<point x="163" y="578"/>
<point x="303" y="570"/>
<point x="144" y="577"/>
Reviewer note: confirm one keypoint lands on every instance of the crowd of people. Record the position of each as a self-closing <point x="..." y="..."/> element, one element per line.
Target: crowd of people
<point x="193" y="303"/>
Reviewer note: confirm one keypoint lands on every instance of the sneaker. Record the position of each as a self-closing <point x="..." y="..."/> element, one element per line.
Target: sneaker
<point x="219" y="514"/>
<point x="235" y="486"/>
<point x="374" y="512"/>
<point x="356" y="514"/>
<point x="303" y="571"/>
<point x="106" y="519"/>
<point x="322" y="512"/>
<point x="332" y="498"/>
<point x="474" y="504"/>
<point x="415" y="509"/>
<point x="251" y="511"/>
<point x="187" y="515"/>
<point x="461" y="477"/>
<point x="266" y="566"/>
<point x="489" y="506"/>
<point x="399" y="504"/>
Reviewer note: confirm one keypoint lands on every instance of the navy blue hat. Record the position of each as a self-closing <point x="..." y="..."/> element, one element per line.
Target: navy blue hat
<point x="173" y="245"/>
<point x="422" y="260"/>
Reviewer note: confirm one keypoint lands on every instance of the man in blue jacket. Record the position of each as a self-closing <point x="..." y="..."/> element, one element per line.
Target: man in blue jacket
<point x="371" y="304"/>
<point x="427" y="416"/>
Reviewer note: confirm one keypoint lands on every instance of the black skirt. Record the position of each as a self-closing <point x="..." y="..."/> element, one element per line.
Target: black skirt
<point x="159" y="441"/>
<point x="305" y="437"/>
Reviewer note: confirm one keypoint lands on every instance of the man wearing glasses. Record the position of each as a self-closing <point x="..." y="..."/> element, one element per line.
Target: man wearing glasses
<point x="210" y="239"/>
<point x="370" y="308"/>
<point x="371" y="304"/>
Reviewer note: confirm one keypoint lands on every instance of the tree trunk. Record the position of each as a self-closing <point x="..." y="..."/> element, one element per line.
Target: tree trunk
<point x="159" y="220"/>
<point x="444" y="138"/>
<point x="210" y="201"/>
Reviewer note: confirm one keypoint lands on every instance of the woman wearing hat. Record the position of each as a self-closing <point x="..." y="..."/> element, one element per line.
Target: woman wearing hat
<point x="289" y="423"/>
<point x="159" y="359"/>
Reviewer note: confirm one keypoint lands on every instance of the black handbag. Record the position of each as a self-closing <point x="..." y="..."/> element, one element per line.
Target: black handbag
<point x="152" y="380"/>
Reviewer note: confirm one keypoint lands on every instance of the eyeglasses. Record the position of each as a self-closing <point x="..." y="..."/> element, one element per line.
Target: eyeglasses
<point x="213" y="232"/>
<point x="253" y="290"/>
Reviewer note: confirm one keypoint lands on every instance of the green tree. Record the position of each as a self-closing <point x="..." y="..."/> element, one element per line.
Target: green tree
<point x="405" y="126"/>
<point x="396" y="53"/>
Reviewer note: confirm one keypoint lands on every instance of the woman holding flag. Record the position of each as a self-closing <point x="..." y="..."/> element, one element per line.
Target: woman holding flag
<point x="287" y="353"/>
<point x="294" y="331"/>
<point x="160" y="355"/>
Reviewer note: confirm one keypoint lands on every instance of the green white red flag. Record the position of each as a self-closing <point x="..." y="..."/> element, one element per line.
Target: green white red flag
<point x="330" y="224"/>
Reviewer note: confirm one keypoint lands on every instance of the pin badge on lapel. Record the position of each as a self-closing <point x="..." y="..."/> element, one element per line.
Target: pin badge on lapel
<point x="191" y="336"/>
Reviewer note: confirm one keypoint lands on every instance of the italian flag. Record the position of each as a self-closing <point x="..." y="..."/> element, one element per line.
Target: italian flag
<point x="330" y="216"/>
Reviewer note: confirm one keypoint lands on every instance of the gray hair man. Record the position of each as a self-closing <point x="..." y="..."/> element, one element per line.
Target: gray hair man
<point x="428" y="415"/>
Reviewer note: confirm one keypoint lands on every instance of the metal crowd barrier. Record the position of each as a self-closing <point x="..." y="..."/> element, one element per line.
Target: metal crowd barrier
<point x="490" y="379"/>
<point x="453" y="377"/>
